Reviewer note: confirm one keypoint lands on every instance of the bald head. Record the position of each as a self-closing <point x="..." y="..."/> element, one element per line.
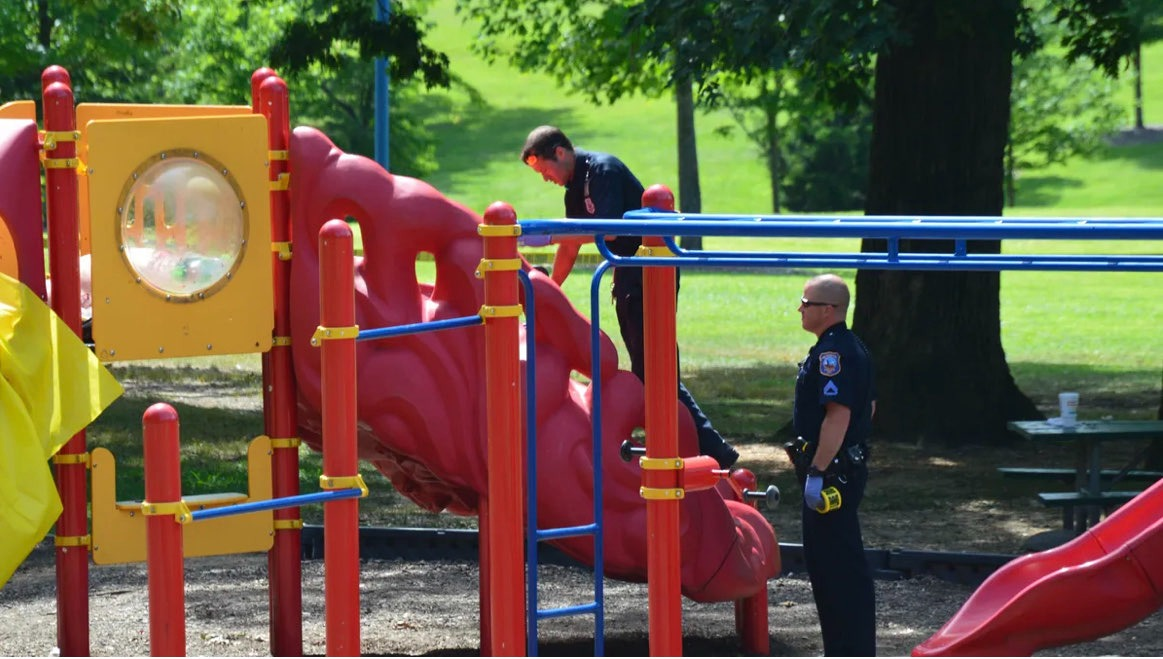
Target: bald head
<point x="831" y="289"/>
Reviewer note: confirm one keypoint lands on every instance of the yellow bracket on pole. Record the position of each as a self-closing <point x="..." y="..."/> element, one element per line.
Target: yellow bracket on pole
<point x="496" y="265"/>
<point x="329" y="333"/>
<point x="62" y="163"/>
<point x="288" y="524"/>
<point x="71" y="459"/>
<point x="661" y="493"/>
<point x="286" y="442"/>
<point x="510" y="311"/>
<point x="54" y="137"/>
<point x="661" y="464"/>
<point x="278" y="155"/>
<point x="178" y="509"/>
<point x="653" y="250"/>
<point x="283" y="249"/>
<point x="283" y="182"/>
<point x="343" y="483"/>
<point x="72" y="541"/>
<point x="280" y="341"/>
<point x="498" y="230"/>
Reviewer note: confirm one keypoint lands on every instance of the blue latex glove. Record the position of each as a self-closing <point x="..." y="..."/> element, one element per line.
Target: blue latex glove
<point x="812" y="487"/>
<point x="534" y="241"/>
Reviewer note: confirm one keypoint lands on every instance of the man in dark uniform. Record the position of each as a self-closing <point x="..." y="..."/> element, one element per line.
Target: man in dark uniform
<point x="835" y="400"/>
<point x="598" y="185"/>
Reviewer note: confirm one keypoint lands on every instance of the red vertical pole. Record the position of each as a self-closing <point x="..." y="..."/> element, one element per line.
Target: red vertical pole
<point x="663" y="566"/>
<point x="751" y="612"/>
<point x="486" y="619"/>
<point x="279" y="387"/>
<point x="340" y="518"/>
<point x="72" y="532"/>
<point x="506" y="549"/>
<point x="163" y="539"/>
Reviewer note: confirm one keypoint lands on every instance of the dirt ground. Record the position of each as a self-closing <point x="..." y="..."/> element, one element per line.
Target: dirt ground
<point x="431" y="607"/>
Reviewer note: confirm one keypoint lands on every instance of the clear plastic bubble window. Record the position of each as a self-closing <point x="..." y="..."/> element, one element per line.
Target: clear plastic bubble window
<point x="182" y="226"/>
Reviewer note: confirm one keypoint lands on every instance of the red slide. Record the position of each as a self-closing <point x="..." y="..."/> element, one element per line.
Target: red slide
<point x="421" y="397"/>
<point x="1105" y="580"/>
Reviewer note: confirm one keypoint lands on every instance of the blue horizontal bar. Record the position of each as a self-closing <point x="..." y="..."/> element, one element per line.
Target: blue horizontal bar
<point x="860" y="227"/>
<point x="566" y="532"/>
<point x="275" y="504"/>
<point x="416" y="328"/>
<point x="581" y="609"/>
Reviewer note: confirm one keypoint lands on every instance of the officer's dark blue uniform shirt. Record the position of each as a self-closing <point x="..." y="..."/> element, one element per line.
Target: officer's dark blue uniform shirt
<point x="838" y="369"/>
<point x="604" y="187"/>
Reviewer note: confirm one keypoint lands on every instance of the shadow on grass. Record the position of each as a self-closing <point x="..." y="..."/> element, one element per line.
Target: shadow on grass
<point x="1043" y="190"/>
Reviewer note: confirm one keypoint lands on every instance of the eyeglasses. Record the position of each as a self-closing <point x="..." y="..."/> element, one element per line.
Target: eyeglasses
<point x="808" y="303"/>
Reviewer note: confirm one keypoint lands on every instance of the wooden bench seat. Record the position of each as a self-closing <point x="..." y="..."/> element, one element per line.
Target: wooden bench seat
<point x="1067" y="475"/>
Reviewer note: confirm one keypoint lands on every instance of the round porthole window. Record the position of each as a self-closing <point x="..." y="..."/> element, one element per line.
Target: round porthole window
<point x="182" y="228"/>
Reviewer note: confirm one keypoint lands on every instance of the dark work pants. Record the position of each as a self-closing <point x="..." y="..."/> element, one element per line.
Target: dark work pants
<point x="841" y="579"/>
<point x="632" y="324"/>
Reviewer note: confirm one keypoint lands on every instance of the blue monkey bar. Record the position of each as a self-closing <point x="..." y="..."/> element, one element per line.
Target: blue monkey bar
<point x="891" y="229"/>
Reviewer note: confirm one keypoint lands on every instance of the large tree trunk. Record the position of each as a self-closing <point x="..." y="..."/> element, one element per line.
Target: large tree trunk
<point x="939" y="131"/>
<point x="690" y="196"/>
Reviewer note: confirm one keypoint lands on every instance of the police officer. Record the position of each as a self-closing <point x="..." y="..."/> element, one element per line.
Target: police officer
<point x="835" y="399"/>
<point x="598" y="185"/>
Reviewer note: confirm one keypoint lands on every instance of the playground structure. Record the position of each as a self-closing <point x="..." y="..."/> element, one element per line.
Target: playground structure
<point x="329" y="184"/>
<point x="158" y="182"/>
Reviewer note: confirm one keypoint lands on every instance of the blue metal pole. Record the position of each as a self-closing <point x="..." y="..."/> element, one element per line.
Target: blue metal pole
<point x="383" y="15"/>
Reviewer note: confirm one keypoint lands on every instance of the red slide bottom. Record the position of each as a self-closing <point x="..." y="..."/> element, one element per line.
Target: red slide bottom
<point x="1103" y="581"/>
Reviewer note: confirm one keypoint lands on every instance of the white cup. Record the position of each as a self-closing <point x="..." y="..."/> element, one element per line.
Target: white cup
<point x="1068" y="405"/>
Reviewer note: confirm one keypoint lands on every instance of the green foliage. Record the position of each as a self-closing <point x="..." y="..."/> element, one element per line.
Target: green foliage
<point x="827" y="154"/>
<point x="109" y="46"/>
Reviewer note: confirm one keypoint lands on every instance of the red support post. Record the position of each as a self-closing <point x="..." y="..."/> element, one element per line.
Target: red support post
<point x="280" y="417"/>
<point x="663" y="563"/>
<point x="72" y="532"/>
<point x="506" y="549"/>
<point x="336" y="339"/>
<point x="751" y="612"/>
<point x="163" y="539"/>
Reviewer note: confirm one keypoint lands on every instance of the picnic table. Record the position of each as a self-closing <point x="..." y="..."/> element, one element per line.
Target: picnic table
<point x="1094" y="487"/>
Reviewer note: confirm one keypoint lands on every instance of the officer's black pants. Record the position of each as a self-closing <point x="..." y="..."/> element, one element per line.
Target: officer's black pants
<point x="632" y="324"/>
<point x="841" y="579"/>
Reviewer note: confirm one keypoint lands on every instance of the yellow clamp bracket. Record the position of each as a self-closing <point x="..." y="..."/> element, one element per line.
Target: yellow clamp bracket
<point x="72" y="541"/>
<point x="283" y="182"/>
<point x="660" y="464"/>
<point x="54" y="137"/>
<point x="498" y="230"/>
<point x="280" y="341"/>
<point x="288" y="524"/>
<point x="510" y="311"/>
<point x="661" y="493"/>
<point x="496" y="265"/>
<point x="286" y="442"/>
<point x="283" y="249"/>
<point x="343" y="483"/>
<point x="71" y="459"/>
<point x="653" y="250"/>
<point x="278" y="155"/>
<point x="62" y="163"/>
<point x="328" y="333"/>
<point x="178" y="509"/>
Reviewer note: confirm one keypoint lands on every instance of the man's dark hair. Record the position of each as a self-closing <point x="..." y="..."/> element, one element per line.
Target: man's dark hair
<point x="543" y="143"/>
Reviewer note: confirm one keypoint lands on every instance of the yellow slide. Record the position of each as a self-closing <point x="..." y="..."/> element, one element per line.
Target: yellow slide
<point x="51" y="387"/>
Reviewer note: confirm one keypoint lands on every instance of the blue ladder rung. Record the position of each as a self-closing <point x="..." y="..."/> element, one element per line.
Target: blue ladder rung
<point x="580" y="609"/>
<point x="566" y="532"/>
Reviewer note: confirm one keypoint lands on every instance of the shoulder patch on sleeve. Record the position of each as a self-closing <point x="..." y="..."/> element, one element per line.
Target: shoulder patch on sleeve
<point x="829" y="364"/>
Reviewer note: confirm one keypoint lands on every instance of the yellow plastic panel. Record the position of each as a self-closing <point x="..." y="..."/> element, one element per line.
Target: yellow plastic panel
<point x="119" y="527"/>
<point x="181" y="237"/>
<point x="18" y="110"/>
<point x="87" y="112"/>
